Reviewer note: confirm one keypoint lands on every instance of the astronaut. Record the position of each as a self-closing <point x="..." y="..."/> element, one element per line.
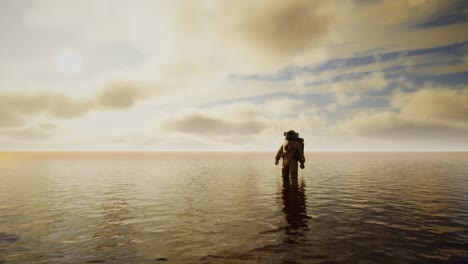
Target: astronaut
<point x="292" y="152"/>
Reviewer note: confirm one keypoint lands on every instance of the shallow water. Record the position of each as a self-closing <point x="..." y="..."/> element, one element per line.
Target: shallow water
<point x="216" y="207"/>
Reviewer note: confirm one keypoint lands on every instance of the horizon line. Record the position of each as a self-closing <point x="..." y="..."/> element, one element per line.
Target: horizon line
<point x="155" y="151"/>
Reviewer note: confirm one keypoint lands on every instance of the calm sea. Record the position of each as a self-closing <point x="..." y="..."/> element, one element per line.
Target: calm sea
<point x="220" y="207"/>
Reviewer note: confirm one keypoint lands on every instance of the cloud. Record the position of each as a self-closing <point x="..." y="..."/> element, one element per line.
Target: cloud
<point x="277" y="29"/>
<point x="9" y="118"/>
<point x="64" y="107"/>
<point x="349" y="90"/>
<point x="387" y="26"/>
<point x="202" y="125"/>
<point x="465" y="54"/>
<point x="245" y="125"/>
<point x="438" y="104"/>
<point x="343" y="82"/>
<point x="219" y="31"/>
<point x="436" y="64"/>
<point x="445" y="69"/>
<point x="404" y="12"/>
<point x="120" y="95"/>
<point x="18" y="109"/>
<point x="389" y="125"/>
<point x="433" y="116"/>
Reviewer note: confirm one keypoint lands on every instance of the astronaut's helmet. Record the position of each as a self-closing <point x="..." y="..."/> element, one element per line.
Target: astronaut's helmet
<point x="291" y="134"/>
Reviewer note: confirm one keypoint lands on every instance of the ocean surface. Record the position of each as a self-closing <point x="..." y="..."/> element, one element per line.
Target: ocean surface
<point x="221" y="207"/>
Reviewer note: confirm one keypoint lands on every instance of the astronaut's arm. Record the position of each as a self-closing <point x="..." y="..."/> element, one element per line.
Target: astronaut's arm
<point x="301" y="159"/>
<point x="279" y="153"/>
<point x="301" y="156"/>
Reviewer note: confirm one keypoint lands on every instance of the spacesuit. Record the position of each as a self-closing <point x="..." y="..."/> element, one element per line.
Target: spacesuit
<point x="292" y="152"/>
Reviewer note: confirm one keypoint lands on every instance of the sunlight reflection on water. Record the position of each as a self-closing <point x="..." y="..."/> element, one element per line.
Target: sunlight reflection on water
<point x="233" y="208"/>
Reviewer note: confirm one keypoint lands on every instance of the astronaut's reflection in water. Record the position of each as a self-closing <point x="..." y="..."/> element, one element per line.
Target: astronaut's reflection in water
<point x="294" y="201"/>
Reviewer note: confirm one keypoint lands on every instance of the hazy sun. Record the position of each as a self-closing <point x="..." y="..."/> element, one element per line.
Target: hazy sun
<point x="68" y="62"/>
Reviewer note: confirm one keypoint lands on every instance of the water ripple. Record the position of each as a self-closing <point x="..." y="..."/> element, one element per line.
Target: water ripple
<point x="233" y="208"/>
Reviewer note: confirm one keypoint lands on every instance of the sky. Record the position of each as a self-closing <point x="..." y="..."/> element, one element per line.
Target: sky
<point x="348" y="75"/>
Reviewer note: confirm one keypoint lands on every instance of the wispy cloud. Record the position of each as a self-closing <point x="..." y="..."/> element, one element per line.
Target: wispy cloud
<point x="430" y="114"/>
<point x="18" y="109"/>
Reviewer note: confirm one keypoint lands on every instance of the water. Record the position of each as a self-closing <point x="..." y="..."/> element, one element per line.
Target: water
<point x="233" y="208"/>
